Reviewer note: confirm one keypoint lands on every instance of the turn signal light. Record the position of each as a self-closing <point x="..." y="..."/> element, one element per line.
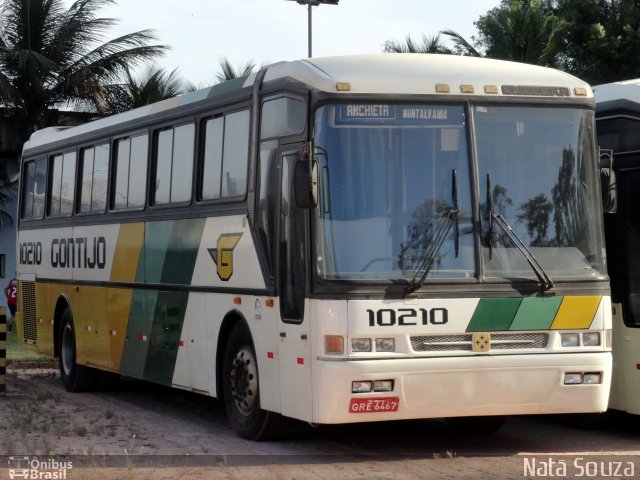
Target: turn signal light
<point x="334" y="344"/>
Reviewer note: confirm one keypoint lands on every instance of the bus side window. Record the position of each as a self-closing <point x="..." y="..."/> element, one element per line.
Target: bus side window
<point x="282" y="116"/>
<point x="93" y="177"/>
<point x="292" y="247"/>
<point x="266" y="221"/>
<point x="174" y="164"/>
<point x="130" y="172"/>
<point x="34" y="188"/>
<point x="62" y="184"/>
<point x="226" y="155"/>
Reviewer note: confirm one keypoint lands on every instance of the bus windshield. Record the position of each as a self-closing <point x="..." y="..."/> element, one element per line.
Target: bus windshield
<point x="396" y="192"/>
<point x="538" y="170"/>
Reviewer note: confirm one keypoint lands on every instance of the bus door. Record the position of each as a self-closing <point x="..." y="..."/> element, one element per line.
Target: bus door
<point x="623" y="238"/>
<point x="294" y="328"/>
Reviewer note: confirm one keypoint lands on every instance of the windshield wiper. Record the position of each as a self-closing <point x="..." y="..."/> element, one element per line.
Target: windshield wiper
<point x="499" y="219"/>
<point x="434" y="242"/>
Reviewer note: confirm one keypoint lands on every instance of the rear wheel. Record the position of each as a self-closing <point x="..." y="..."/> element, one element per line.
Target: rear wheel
<point x="241" y="389"/>
<point x="76" y="378"/>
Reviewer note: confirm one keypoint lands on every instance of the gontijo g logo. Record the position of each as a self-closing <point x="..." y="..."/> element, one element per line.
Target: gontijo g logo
<point x="223" y="254"/>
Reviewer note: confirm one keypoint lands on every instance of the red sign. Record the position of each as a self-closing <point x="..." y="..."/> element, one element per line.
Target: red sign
<point x="374" y="405"/>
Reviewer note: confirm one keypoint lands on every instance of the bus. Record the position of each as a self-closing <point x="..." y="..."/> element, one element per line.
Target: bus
<point x="618" y="131"/>
<point x="333" y="240"/>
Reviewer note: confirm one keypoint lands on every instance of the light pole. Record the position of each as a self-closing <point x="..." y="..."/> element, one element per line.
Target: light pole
<point x="313" y="3"/>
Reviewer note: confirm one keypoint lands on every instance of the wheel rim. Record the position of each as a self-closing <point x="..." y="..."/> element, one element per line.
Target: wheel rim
<point x="244" y="381"/>
<point x="67" y="349"/>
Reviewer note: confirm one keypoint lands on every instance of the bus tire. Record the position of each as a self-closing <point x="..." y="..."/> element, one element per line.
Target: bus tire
<point x="241" y="389"/>
<point x="488" y="424"/>
<point x="76" y="378"/>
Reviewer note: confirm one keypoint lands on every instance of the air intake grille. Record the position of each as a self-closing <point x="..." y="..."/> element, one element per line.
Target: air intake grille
<point x="499" y="341"/>
<point x="505" y="341"/>
<point x="27" y="298"/>
<point x="441" y="343"/>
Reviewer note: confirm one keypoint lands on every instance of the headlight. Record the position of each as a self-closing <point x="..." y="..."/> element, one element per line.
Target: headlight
<point x="360" y="387"/>
<point x="569" y="339"/>
<point x="591" y="339"/>
<point x="592" y="378"/>
<point x="361" y="344"/>
<point x="572" y="378"/>
<point x="385" y="345"/>
<point x="383" y="385"/>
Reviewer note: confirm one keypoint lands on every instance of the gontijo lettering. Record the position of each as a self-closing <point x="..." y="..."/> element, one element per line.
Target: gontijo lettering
<point x="79" y="252"/>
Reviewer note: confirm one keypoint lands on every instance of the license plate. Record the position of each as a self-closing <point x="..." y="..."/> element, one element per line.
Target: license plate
<point x="374" y="405"/>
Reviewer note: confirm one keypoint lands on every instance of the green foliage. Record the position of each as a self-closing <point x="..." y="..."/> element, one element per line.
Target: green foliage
<point x="17" y="352"/>
<point x="154" y="85"/>
<point x="228" y="72"/>
<point x="602" y="42"/>
<point x="521" y="31"/>
<point x="51" y="56"/>
<point x="8" y="190"/>
<point x="428" y="45"/>
<point x="596" y="40"/>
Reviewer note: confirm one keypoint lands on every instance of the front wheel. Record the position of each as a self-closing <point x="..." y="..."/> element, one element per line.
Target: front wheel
<point x="241" y="389"/>
<point x="76" y="378"/>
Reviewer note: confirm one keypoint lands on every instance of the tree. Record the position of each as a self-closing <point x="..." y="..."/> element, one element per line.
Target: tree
<point x="228" y="72"/>
<point x="51" y="56"/>
<point x="461" y="45"/>
<point x="518" y="30"/>
<point x="521" y="31"/>
<point x="8" y="189"/>
<point x="429" y="45"/>
<point x="535" y="213"/>
<point x="602" y="41"/>
<point x="154" y="85"/>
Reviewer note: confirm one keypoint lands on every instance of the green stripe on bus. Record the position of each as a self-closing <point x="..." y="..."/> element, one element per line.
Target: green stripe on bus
<point x="136" y="345"/>
<point x="536" y="313"/>
<point x="164" y="339"/>
<point x="156" y="318"/>
<point x="182" y="251"/>
<point x="494" y="314"/>
<point x="156" y="241"/>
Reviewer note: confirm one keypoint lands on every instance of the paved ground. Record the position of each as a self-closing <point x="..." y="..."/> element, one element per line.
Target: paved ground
<point x="145" y="431"/>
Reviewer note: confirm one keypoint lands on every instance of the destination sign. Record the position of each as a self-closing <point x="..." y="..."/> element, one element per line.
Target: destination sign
<point x="391" y="114"/>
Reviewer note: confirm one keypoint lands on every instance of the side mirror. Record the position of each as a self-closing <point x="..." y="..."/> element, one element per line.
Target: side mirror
<point x="608" y="181"/>
<point x="306" y="183"/>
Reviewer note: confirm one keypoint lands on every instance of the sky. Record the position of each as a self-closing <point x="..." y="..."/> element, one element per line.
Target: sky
<point x="202" y="32"/>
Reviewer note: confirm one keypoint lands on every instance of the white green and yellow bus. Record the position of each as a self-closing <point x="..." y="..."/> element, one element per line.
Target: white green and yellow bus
<point x="335" y="240"/>
<point x="618" y="127"/>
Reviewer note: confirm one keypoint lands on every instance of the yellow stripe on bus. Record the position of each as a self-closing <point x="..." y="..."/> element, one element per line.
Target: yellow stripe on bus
<point x="119" y="306"/>
<point x="127" y="254"/>
<point x="576" y="313"/>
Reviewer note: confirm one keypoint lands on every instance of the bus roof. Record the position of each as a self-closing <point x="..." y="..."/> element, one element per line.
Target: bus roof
<point x="383" y="73"/>
<point x="627" y="90"/>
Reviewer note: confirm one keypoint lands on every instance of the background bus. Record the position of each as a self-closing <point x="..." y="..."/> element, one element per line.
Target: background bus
<point x="618" y="127"/>
<point x="335" y="240"/>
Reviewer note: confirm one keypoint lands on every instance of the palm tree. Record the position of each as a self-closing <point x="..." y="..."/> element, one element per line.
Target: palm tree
<point x="521" y="31"/>
<point x="50" y="56"/>
<point x="228" y="72"/>
<point x="154" y="85"/>
<point x="462" y="45"/>
<point x="429" y="45"/>
<point x="8" y="189"/>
